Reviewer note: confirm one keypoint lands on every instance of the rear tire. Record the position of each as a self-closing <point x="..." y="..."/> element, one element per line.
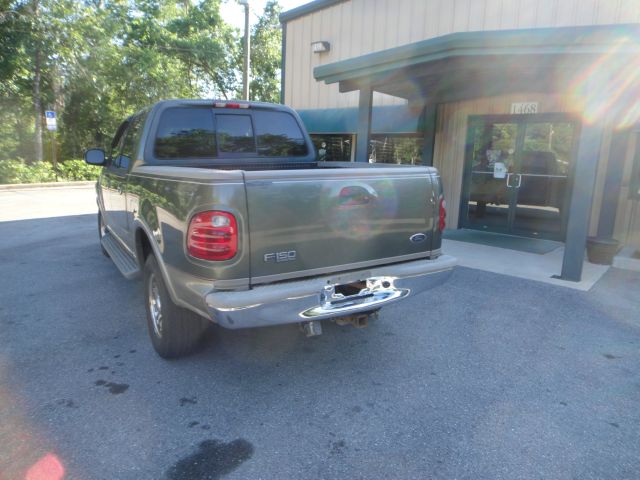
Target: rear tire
<point x="102" y="230"/>
<point x="174" y="331"/>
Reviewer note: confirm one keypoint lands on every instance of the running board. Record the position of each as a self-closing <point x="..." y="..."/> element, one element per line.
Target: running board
<point x="123" y="260"/>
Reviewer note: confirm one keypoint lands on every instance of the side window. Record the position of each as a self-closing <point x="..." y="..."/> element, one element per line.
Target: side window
<point x="235" y="134"/>
<point x="129" y="144"/>
<point x="278" y="135"/>
<point x="116" y="143"/>
<point x="185" y="133"/>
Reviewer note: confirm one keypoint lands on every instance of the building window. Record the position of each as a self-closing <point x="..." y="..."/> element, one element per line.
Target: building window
<point x="398" y="149"/>
<point x="332" y="148"/>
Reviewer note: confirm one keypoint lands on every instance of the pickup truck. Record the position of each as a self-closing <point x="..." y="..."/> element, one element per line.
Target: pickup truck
<point x="225" y="210"/>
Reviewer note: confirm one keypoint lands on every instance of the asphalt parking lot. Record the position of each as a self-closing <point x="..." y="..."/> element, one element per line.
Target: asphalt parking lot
<point x="486" y="377"/>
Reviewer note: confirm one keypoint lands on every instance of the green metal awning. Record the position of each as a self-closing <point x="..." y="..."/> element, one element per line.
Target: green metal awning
<point x="397" y="119"/>
<point x="440" y="67"/>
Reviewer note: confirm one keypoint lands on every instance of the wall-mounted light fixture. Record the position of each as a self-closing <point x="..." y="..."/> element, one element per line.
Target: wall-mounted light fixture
<point x="320" y="47"/>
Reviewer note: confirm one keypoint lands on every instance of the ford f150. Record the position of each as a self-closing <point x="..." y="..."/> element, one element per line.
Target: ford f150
<point x="225" y="210"/>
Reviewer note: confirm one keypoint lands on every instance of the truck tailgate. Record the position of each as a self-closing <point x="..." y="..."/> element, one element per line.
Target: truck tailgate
<point x="335" y="219"/>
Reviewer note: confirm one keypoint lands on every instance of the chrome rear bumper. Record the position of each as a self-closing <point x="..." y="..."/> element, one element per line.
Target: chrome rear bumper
<point x="316" y="299"/>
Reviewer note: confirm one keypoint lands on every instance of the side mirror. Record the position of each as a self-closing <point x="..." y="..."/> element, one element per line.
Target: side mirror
<point x="94" y="156"/>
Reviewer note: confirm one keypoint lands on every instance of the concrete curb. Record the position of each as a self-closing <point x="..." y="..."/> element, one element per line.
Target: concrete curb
<point x="625" y="260"/>
<point x="26" y="186"/>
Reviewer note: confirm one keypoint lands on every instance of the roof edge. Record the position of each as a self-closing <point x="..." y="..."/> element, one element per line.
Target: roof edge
<point x="306" y="9"/>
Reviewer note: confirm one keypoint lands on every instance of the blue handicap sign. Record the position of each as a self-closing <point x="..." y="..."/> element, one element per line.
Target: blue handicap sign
<point x="50" y="114"/>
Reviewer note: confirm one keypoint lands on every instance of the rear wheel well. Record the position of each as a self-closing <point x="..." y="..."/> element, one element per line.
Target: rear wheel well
<point x="143" y="246"/>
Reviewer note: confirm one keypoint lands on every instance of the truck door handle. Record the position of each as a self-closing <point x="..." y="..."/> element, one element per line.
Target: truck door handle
<point x="356" y="195"/>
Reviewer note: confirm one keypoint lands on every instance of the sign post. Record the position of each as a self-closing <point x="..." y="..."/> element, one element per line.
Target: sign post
<point x="52" y="126"/>
<point x="50" y="118"/>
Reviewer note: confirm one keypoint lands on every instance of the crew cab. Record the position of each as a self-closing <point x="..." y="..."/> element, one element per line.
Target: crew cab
<point x="228" y="215"/>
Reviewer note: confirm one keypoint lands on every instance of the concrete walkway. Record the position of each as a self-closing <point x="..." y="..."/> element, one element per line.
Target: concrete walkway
<point x="531" y="266"/>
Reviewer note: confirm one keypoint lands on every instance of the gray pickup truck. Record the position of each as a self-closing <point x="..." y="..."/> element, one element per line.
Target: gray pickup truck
<point x="228" y="215"/>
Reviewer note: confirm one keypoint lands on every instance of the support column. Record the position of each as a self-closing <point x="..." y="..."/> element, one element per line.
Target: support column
<point x="429" y="130"/>
<point x="364" y="124"/>
<point x="581" y="198"/>
<point x="612" y="184"/>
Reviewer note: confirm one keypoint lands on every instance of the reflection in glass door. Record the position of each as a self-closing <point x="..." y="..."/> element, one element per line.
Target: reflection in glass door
<point x="494" y="146"/>
<point x="517" y="174"/>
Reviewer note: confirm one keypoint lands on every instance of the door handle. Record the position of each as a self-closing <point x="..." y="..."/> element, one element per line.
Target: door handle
<point x="509" y="180"/>
<point x="519" y="180"/>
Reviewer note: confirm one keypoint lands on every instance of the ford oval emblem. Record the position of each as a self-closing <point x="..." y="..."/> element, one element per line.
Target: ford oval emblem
<point x="418" y="238"/>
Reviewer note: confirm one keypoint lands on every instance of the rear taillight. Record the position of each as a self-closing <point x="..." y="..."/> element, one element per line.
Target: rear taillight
<point x="213" y="236"/>
<point x="442" y="217"/>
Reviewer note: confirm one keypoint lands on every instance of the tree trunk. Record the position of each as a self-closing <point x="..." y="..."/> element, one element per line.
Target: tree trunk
<point x="58" y="107"/>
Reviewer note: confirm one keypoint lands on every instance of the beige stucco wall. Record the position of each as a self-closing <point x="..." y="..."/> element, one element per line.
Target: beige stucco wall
<point x="357" y="27"/>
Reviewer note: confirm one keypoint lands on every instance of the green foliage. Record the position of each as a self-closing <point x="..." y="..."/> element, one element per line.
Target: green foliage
<point x="71" y="170"/>
<point x="17" y="171"/>
<point x="103" y="60"/>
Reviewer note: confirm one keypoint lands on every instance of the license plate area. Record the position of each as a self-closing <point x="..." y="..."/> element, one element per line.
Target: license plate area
<point x="349" y="289"/>
<point x="345" y="298"/>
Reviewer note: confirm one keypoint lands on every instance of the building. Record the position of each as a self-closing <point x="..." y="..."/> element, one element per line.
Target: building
<point x="530" y="109"/>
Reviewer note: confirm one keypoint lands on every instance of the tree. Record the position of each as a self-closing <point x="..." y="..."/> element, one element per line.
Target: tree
<point x="207" y="46"/>
<point x="14" y="31"/>
<point x="266" y="55"/>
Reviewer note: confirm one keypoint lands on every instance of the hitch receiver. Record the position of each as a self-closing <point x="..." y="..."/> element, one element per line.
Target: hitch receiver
<point x="312" y="328"/>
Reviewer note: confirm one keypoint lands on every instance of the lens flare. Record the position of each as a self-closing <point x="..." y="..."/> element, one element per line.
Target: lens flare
<point x="47" y="468"/>
<point x="610" y="86"/>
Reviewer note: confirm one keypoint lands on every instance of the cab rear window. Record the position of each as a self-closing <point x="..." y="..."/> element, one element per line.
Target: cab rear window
<point x="278" y="135"/>
<point x="186" y="133"/>
<point x="197" y="132"/>
<point x="235" y="134"/>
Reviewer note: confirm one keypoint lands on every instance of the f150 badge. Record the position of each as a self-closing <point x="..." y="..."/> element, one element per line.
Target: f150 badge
<point x="279" y="257"/>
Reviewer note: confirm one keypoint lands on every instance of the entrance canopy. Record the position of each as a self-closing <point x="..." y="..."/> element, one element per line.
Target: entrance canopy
<point x="596" y="68"/>
<point x="471" y="64"/>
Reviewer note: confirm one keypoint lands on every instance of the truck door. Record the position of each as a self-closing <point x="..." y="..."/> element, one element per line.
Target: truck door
<point x="109" y="175"/>
<point x="117" y="218"/>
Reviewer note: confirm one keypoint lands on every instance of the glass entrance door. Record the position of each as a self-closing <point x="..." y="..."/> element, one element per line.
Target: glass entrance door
<point x="518" y="174"/>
